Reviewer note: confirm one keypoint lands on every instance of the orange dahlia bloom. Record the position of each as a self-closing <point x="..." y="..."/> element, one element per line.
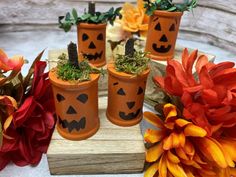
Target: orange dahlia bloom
<point x="209" y="99"/>
<point x="134" y="18"/>
<point x="182" y="149"/>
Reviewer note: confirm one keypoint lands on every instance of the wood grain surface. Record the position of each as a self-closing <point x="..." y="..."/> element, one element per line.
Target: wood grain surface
<point x="112" y="149"/>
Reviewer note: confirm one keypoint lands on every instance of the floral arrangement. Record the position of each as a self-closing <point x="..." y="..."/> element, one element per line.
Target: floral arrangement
<point x="194" y="135"/>
<point x="26" y="111"/>
<point x="134" y="21"/>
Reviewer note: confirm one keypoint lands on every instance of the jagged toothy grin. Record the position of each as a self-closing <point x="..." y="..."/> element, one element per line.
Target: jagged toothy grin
<point x="74" y="124"/>
<point x="129" y="116"/>
<point x="161" y="49"/>
<point x="93" y="57"/>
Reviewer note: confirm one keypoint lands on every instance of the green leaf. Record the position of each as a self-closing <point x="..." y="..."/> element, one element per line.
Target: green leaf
<point x="74" y="13"/>
<point x="111" y="10"/>
<point x="94" y="19"/>
<point x="85" y="16"/>
<point x="172" y="9"/>
<point x="67" y="16"/>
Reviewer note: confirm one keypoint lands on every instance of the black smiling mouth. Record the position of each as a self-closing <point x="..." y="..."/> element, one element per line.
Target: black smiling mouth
<point x="161" y="49"/>
<point x="129" y="116"/>
<point x="74" y="124"/>
<point x="93" y="57"/>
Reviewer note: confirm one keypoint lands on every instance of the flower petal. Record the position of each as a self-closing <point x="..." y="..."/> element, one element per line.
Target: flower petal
<point x="154" y="153"/>
<point x="153" y="119"/>
<point x="170" y="111"/>
<point x="168" y="142"/>
<point x="212" y="151"/>
<point x="202" y="61"/>
<point x="189" y="148"/>
<point x="8" y="122"/>
<point x="173" y="158"/>
<point x="151" y="171"/>
<point x="153" y="136"/>
<point x="163" y="167"/>
<point x="182" y="122"/>
<point x="175" y="169"/>
<point x="194" y="131"/>
<point x="180" y="152"/>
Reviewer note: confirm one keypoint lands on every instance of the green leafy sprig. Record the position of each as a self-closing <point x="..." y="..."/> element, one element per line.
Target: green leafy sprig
<point x="169" y="5"/>
<point x="132" y="62"/>
<point x="70" y="19"/>
<point x="70" y="69"/>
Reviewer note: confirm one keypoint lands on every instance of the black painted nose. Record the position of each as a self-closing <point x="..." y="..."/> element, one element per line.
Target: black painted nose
<point x="130" y="104"/>
<point x="71" y="110"/>
<point x="92" y="46"/>
<point x="164" y="38"/>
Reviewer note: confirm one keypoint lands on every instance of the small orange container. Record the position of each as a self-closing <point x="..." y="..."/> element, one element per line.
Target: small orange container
<point x="92" y="43"/>
<point x="125" y="97"/>
<point x="76" y="107"/>
<point x="162" y="34"/>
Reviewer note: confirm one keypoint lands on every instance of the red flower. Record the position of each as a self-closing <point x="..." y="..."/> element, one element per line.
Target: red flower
<point x="29" y="133"/>
<point x="6" y="64"/>
<point x="210" y="98"/>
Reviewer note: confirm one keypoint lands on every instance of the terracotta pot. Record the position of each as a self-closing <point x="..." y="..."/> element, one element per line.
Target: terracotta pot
<point x="92" y="43"/>
<point x="76" y="107"/>
<point x="125" y="97"/>
<point x="162" y="34"/>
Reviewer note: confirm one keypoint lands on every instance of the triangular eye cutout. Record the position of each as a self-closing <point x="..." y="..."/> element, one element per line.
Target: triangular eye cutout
<point x="83" y="98"/>
<point x="60" y="97"/>
<point x="85" y="37"/>
<point x="158" y="27"/>
<point x="172" y="28"/>
<point x="121" y="91"/>
<point x="100" y="37"/>
<point x="140" y="91"/>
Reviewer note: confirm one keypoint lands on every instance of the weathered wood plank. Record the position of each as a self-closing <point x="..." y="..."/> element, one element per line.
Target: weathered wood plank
<point x="112" y="149"/>
<point x="213" y="22"/>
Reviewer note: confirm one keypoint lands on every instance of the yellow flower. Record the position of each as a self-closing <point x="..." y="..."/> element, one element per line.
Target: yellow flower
<point x="134" y="18"/>
<point x="182" y="149"/>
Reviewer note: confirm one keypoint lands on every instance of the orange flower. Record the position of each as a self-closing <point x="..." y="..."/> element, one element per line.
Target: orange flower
<point x="7" y="64"/>
<point x="210" y="100"/>
<point x="182" y="149"/>
<point x="134" y="18"/>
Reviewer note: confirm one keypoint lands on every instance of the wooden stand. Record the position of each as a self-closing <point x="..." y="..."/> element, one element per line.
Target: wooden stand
<point x="112" y="149"/>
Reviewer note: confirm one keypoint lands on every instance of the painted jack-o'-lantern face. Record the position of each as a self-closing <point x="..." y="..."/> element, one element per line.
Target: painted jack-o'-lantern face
<point x="76" y="106"/>
<point x="162" y="35"/>
<point x="125" y="97"/>
<point x="92" y="43"/>
<point x="79" y="122"/>
<point x="165" y="43"/>
<point x="133" y="107"/>
<point x="93" y="53"/>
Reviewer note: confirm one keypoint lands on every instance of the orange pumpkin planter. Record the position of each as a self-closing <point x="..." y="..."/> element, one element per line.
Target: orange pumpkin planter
<point x="76" y="107"/>
<point x="92" y="43"/>
<point x="162" y="34"/>
<point x="125" y="96"/>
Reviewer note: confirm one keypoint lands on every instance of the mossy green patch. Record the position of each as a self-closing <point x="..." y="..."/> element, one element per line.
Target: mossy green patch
<point x="68" y="72"/>
<point x="135" y="64"/>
